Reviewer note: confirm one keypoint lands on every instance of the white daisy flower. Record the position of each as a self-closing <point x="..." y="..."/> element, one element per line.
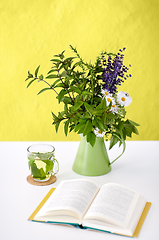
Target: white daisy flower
<point x="114" y="107"/>
<point x="98" y="133"/>
<point x="105" y="93"/>
<point x="124" y="98"/>
<point x="110" y="99"/>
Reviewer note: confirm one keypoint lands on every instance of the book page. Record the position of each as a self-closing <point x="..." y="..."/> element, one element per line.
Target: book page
<point x="71" y="197"/>
<point x="114" y="203"/>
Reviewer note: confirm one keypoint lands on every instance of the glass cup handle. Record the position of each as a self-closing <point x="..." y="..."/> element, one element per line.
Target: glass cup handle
<point x="52" y="171"/>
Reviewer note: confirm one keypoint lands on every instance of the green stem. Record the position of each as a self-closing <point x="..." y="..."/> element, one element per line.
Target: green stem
<point x="48" y="84"/>
<point x="71" y="89"/>
<point x="82" y="101"/>
<point x="92" y="88"/>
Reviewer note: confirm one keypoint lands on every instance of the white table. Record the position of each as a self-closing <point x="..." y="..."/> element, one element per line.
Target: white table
<point x="137" y="169"/>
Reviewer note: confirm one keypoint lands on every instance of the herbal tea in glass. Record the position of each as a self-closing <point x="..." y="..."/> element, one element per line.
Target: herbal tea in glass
<point x="41" y="161"/>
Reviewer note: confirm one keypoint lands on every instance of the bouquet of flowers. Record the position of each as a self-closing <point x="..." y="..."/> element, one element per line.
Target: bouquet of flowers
<point x="92" y="105"/>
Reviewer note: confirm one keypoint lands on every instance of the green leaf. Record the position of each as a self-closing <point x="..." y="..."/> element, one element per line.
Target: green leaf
<point x="27" y="78"/>
<point x="69" y="58"/>
<point x="75" y="89"/>
<point x="53" y="70"/>
<point x="77" y="106"/>
<point x="80" y="125"/>
<point x="36" y="71"/>
<point x="97" y="122"/>
<point x="114" y="139"/>
<point x="102" y="105"/>
<point x="49" y="165"/>
<point x="65" y="108"/>
<point x="91" y="138"/>
<point x="98" y="112"/>
<point x="60" y="115"/>
<point x="127" y="132"/>
<point x="100" y="125"/>
<point x="57" y="126"/>
<point x="43" y="90"/>
<point x="54" y="83"/>
<point x="54" y="116"/>
<point x="135" y="130"/>
<point x="61" y="55"/>
<point x="31" y="82"/>
<point x="88" y="127"/>
<point x="61" y="95"/>
<point x="66" y="124"/>
<point x="36" y="172"/>
<point x="76" y="65"/>
<point x="130" y="128"/>
<point x="89" y="108"/>
<point x="41" y="77"/>
<point x="30" y="75"/>
<point x="64" y="74"/>
<point x="61" y="85"/>
<point x="67" y="100"/>
<point x="81" y="130"/>
<point x="56" y="60"/>
<point x="85" y="94"/>
<point x="120" y="126"/>
<point x="133" y="123"/>
<point x="52" y="76"/>
<point x="62" y="66"/>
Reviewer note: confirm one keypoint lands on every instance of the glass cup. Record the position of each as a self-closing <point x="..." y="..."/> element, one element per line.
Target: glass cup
<point x="42" y="162"/>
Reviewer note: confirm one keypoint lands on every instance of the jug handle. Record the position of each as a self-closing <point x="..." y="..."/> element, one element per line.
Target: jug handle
<point x="124" y="146"/>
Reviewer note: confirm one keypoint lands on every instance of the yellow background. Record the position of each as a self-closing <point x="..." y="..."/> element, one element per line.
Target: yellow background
<point x="32" y="31"/>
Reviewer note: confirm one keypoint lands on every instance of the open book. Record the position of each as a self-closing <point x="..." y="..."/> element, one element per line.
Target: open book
<point x="112" y="208"/>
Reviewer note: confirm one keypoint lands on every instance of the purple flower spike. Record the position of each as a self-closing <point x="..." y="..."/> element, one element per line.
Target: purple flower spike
<point x="114" y="72"/>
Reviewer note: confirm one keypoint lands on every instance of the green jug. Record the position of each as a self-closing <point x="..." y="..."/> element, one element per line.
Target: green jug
<point x="92" y="161"/>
